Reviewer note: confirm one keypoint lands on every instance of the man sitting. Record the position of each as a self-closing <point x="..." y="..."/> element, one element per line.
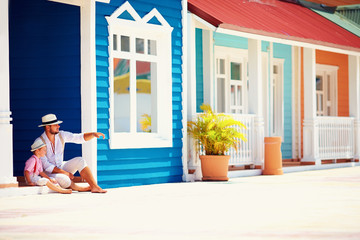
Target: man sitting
<point x="53" y="162"/>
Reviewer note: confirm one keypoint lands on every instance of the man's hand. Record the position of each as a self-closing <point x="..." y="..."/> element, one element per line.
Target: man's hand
<point x="31" y="184"/>
<point x="70" y="175"/>
<point x="98" y="134"/>
<point x="91" y="135"/>
<point x="53" y="181"/>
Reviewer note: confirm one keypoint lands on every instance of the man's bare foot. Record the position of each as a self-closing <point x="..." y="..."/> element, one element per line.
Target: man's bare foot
<point x="98" y="190"/>
<point x="78" y="188"/>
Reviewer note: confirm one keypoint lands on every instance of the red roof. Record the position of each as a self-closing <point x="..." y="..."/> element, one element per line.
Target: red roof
<point x="275" y="18"/>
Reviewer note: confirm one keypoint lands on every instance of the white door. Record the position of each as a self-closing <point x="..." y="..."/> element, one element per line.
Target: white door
<point x="326" y="94"/>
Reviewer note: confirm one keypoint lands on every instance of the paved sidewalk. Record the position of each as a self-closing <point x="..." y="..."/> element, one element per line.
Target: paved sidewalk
<point x="321" y="204"/>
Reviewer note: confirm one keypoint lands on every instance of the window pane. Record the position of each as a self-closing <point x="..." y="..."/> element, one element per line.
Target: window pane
<point x="328" y="88"/>
<point x="115" y="43"/>
<point x="239" y="95"/>
<point x="220" y="66"/>
<point x="235" y="71"/>
<point x="220" y="95"/>
<point x="275" y="69"/>
<point x="145" y="96"/>
<point x="152" y="47"/>
<point x="121" y="95"/>
<point x="232" y="95"/>
<point x="139" y="45"/>
<point x="319" y="83"/>
<point x="125" y="43"/>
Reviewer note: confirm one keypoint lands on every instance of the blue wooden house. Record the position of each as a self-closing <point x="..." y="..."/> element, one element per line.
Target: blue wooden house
<point x="111" y="66"/>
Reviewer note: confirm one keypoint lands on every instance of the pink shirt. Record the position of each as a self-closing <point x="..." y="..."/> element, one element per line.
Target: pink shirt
<point x="34" y="165"/>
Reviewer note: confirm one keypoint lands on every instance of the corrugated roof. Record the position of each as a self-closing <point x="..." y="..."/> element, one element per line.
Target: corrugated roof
<point x="275" y="18"/>
<point x="336" y="2"/>
<point x="341" y="21"/>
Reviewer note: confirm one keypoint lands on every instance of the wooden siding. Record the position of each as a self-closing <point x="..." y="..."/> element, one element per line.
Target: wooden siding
<point x="44" y="72"/>
<point x="129" y="167"/>
<point x="199" y="69"/>
<point x="284" y="52"/>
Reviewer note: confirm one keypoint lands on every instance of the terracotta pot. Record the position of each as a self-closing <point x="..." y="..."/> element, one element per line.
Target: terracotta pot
<point x="215" y="167"/>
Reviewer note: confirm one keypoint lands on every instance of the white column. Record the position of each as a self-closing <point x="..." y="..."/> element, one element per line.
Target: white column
<point x="354" y="99"/>
<point x="311" y="135"/>
<point x="256" y="98"/>
<point x="88" y="82"/>
<point x="208" y="68"/>
<point x="193" y="161"/>
<point x="186" y="176"/>
<point x="6" y="133"/>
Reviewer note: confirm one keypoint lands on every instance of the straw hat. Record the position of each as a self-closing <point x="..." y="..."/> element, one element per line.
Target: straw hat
<point x="49" y="119"/>
<point x="37" y="144"/>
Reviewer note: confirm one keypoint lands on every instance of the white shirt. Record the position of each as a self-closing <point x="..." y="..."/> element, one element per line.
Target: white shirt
<point x="55" y="159"/>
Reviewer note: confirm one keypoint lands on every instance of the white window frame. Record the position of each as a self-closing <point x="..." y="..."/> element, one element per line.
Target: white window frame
<point x="231" y="55"/>
<point x="277" y="112"/>
<point x="331" y="72"/>
<point x="141" y="28"/>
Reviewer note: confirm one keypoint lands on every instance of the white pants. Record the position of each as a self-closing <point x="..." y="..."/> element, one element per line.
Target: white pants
<point x="71" y="166"/>
<point x="38" y="180"/>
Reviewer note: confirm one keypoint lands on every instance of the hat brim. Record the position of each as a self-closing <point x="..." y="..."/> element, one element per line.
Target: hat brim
<point x="57" y="122"/>
<point x="42" y="145"/>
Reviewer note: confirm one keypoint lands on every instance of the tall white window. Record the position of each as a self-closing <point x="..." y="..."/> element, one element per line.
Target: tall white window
<point x="140" y="80"/>
<point x="231" y="80"/>
<point x="326" y="93"/>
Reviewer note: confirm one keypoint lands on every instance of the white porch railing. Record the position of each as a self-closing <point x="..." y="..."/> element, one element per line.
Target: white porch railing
<point x="245" y="154"/>
<point x="336" y="137"/>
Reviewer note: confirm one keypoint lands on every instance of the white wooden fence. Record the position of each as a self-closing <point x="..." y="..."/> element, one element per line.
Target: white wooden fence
<point x="336" y="137"/>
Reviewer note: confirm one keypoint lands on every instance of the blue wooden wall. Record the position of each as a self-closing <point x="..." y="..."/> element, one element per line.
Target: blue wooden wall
<point x="129" y="167"/>
<point x="44" y="72"/>
<point x="285" y="52"/>
<point x="199" y="69"/>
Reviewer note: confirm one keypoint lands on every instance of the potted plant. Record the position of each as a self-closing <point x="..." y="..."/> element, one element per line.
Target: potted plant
<point x="214" y="134"/>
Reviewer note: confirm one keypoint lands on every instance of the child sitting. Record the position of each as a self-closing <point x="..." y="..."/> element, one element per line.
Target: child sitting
<point x="33" y="168"/>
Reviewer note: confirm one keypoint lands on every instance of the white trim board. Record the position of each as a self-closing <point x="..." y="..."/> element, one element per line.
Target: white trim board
<point x="287" y="42"/>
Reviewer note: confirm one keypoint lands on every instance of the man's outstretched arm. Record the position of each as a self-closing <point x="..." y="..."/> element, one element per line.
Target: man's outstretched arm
<point x="91" y="135"/>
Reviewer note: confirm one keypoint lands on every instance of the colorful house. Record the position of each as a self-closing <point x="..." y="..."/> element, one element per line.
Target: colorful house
<point x="280" y="68"/>
<point x="112" y="66"/>
<point x="138" y="70"/>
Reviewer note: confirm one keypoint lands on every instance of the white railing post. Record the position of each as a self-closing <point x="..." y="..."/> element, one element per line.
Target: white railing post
<point x="258" y="145"/>
<point x="357" y="139"/>
<point x="310" y="144"/>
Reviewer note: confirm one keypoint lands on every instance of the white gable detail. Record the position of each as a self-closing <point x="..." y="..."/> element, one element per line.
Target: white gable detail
<point x="126" y="7"/>
<point x="155" y="13"/>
